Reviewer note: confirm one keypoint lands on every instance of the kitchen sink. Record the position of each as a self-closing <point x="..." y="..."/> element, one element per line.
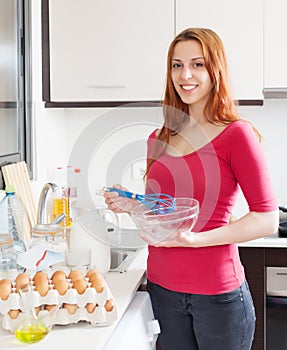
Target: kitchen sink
<point x="121" y="259"/>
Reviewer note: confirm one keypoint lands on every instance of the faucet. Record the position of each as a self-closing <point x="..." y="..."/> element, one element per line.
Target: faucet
<point x="41" y="219"/>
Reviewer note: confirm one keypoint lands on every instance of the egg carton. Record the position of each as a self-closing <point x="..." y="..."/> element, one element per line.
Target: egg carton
<point x="100" y="316"/>
<point x="14" y="301"/>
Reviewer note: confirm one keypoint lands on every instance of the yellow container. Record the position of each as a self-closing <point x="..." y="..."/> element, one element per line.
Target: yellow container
<point x="59" y="206"/>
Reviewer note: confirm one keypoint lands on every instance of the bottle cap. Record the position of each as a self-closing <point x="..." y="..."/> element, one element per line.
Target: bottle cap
<point x="10" y="189"/>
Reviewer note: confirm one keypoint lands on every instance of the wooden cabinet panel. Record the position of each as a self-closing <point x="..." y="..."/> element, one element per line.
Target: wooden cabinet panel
<point x="275" y="49"/>
<point x="108" y="50"/>
<point x="253" y="260"/>
<point x="276" y="257"/>
<point x="240" y="26"/>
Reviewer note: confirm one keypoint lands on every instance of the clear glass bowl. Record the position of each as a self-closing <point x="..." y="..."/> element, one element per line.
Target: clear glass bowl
<point x="163" y="227"/>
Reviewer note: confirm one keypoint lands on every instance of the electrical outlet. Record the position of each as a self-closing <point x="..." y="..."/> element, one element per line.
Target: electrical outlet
<point x="139" y="169"/>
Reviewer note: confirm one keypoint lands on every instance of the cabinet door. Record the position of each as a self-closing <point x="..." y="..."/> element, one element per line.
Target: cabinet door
<point x="109" y="50"/>
<point x="240" y="26"/>
<point x="275" y="49"/>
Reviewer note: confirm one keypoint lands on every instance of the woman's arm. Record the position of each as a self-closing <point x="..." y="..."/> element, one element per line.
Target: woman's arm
<point x="251" y="226"/>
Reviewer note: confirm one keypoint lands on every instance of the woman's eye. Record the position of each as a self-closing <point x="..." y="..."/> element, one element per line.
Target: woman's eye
<point x="198" y="64"/>
<point x="176" y="65"/>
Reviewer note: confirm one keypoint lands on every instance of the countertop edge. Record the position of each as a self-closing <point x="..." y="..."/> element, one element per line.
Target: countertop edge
<point x="123" y="287"/>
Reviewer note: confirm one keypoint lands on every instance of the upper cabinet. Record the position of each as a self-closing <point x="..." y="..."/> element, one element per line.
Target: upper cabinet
<point x="240" y="26"/>
<point x="105" y="50"/>
<point x="275" y="49"/>
<point x="105" y="53"/>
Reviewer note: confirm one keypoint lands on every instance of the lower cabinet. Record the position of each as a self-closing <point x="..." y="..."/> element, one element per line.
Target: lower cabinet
<point x="255" y="261"/>
<point x="137" y="329"/>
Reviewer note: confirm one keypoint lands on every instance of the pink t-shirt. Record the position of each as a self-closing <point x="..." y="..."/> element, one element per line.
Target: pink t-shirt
<point x="212" y="175"/>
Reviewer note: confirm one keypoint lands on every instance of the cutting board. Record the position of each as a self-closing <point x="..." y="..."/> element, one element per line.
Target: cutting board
<point x="17" y="175"/>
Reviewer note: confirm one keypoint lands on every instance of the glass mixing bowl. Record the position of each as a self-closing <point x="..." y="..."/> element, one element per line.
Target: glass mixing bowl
<point x="162" y="227"/>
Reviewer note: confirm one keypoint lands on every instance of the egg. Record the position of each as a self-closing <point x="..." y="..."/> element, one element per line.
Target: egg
<point x="42" y="286"/>
<point x="61" y="286"/>
<point x="80" y="286"/>
<point x="75" y="275"/>
<point x="97" y="282"/>
<point x="90" y="307"/>
<point x="13" y="313"/>
<point x="5" y="289"/>
<point x="90" y="272"/>
<point x="109" y="305"/>
<point x="39" y="276"/>
<point x="50" y="307"/>
<point x="71" y="308"/>
<point x="58" y="275"/>
<point x="37" y="310"/>
<point x="22" y="280"/>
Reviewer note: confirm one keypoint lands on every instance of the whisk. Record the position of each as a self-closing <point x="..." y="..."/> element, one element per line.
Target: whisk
<point x="158" y="203"/>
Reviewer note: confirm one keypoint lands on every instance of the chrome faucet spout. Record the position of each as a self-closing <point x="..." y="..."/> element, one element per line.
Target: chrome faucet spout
<point x="41" y="215"/>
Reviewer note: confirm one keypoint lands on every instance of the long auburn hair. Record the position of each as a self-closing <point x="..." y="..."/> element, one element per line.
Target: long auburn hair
<point x="220" y="108"/>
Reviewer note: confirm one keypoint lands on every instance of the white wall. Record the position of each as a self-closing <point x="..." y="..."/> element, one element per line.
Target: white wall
<point x="56" y="130"/>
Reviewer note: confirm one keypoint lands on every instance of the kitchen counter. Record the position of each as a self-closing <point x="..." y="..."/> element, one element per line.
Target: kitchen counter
<point x="82" y="335"/>
<point x="267" y="242"/>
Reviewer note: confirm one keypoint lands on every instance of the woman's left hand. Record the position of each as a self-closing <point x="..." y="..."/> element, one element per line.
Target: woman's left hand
<point x="183" y="239"/>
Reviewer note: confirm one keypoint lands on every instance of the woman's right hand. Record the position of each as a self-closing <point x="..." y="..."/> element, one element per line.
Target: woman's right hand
<point x="119" y="204"/>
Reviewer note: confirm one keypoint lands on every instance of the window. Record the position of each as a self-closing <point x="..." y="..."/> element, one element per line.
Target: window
<point x="15" y="83"/>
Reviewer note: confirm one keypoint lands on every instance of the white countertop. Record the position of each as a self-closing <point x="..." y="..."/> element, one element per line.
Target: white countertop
<point x="82" y="335"/>
<point x="266" y="242"/>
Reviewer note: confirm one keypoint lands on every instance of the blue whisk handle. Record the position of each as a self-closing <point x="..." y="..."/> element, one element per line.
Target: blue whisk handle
<point x="122" y="193"/>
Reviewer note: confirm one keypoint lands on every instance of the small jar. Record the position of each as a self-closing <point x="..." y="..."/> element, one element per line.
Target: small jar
<point x="50" y="236"/>
<point x="8" y="256"/>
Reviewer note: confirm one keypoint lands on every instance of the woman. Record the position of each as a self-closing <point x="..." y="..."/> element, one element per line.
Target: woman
<point x="196" y="282"/>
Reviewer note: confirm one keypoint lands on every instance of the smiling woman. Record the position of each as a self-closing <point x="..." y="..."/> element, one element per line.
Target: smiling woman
<point x="15" y="106"/>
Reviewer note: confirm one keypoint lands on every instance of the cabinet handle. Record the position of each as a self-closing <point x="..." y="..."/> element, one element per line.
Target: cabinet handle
<point x="105" y="86"/>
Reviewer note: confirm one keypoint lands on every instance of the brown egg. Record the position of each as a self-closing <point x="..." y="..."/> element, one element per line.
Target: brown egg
<point x="97" y="282"/>
<point x="80" y="286"/>
<point x="61" y="286"/>
<point x="75" y="275"/>
<point x="50" y="307"/>
<point x="22" y="280"/>
<point x="71" y="308"/>
<point x="90" y="272"/>
<point x="90" y="307"/>
<point x="42" y="286"/>
<point x="109" y="305"/>
<point x="13" y="313"/>
<point x="37" y="310"/>
<point x="5" y="289"/>
<point x="58" y="275"/>
<point x="40" y="276"/>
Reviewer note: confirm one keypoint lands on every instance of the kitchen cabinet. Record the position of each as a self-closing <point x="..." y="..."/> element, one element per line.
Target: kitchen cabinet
<point x="255" y="260"/>
<point x="101" y="51"/>
<point x="139" y="320"/>
<point x="240" y="26"/>
<point x="275" y="49"/>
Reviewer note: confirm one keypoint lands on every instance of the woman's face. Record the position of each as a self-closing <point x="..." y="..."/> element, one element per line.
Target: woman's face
<point x="189" y="74"/>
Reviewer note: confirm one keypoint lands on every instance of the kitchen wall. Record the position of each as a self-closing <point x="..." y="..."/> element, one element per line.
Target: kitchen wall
<point x="56" y="131"/>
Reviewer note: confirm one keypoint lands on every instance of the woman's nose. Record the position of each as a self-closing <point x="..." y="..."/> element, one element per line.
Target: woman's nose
<point x="186" y="73"/>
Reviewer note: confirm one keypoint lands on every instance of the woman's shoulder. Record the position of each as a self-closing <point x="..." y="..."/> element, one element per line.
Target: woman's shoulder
<point x="154" y="134"/>
<point x="240" y="128"/>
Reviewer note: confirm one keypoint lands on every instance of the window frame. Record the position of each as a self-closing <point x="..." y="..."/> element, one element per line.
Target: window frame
<point x="24" y="77"/>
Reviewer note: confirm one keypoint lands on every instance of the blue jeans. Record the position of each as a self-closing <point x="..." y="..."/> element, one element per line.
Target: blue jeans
<point x="204" y="322"/>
